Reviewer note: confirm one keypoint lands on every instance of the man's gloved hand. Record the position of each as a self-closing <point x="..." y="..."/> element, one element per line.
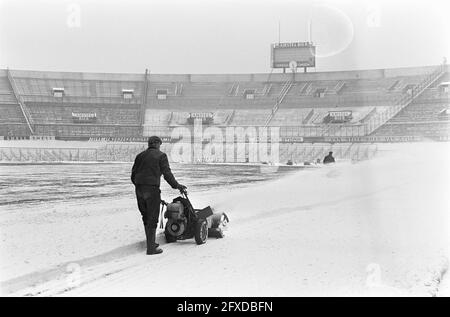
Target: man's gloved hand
<point x="181" y="188"/>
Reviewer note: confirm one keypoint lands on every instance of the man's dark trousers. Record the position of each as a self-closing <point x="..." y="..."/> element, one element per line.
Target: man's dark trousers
<point x="149" y="201"/>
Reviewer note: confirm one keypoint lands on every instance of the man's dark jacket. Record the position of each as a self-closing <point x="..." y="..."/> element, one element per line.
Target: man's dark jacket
<point x="148" y="167"/>
<point x="328" y="159"/>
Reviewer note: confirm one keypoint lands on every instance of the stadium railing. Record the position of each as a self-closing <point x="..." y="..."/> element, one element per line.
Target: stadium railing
<point x="381" y="118"/>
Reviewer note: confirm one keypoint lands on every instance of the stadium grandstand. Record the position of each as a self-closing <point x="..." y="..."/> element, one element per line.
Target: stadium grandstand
<point x="366" y="106"/>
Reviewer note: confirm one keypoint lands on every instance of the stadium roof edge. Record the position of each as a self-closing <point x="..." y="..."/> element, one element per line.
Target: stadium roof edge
<point x="261" y="77"/>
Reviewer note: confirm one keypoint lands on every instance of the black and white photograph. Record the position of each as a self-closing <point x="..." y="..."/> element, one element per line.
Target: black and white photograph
<point x="254" y="149"/>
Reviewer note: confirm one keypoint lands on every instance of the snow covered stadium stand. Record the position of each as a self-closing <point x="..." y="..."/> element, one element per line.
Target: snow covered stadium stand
<point x="378" y="103"/>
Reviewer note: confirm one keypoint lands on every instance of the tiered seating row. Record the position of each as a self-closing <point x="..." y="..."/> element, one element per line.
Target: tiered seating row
<point x="11" y="114"/>
<point x="86" y="88"/>
<point x="44" y="113"/>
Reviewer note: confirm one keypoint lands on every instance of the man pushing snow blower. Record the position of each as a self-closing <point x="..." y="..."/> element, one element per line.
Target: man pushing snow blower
<point x="146" y="173"/>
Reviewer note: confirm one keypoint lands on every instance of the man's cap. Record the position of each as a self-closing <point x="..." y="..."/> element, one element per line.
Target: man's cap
<point x="154" y="139"/>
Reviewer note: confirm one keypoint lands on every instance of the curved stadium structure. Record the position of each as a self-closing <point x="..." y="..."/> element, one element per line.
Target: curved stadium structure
<point x="383" y="105"/>
<point x="387" y="102"/>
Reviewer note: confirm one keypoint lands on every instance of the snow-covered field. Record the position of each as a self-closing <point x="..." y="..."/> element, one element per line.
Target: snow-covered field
<point x="378" y="227"/>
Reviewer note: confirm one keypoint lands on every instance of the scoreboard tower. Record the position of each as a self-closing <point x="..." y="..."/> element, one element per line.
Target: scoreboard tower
<point x="293" y="55"/>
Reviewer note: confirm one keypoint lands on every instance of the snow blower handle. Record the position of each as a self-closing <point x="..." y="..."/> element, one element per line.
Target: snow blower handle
<point x="184" y="194"/>
<point x="183" y="191"/>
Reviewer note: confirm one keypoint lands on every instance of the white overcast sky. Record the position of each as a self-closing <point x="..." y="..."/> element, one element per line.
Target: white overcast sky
<point x="218" y="36"/>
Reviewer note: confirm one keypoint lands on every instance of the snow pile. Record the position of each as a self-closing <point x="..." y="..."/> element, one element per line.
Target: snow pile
<point x="399" y="202"/>
<point x="396" y="205"/>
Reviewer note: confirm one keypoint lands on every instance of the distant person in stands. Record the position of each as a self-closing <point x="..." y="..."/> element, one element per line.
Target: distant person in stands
<point x="146" y="173"/>
<point x="329" y="158"/>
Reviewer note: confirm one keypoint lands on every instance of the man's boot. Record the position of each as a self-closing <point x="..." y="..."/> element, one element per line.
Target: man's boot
<point x="147" y="238"/>
<point x="152" y="247"/>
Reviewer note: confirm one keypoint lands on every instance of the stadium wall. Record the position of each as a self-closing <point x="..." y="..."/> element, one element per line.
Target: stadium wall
<point x="205" y="101"/>
<point x="205" y="78"/>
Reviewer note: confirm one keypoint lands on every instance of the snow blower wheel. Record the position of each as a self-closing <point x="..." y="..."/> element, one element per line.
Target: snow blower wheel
<point x="201" y="231"/>
<point x="169" y="237"/>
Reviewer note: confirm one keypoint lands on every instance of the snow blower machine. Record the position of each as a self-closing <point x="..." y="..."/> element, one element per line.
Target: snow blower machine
<point x="186" y="222"/>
